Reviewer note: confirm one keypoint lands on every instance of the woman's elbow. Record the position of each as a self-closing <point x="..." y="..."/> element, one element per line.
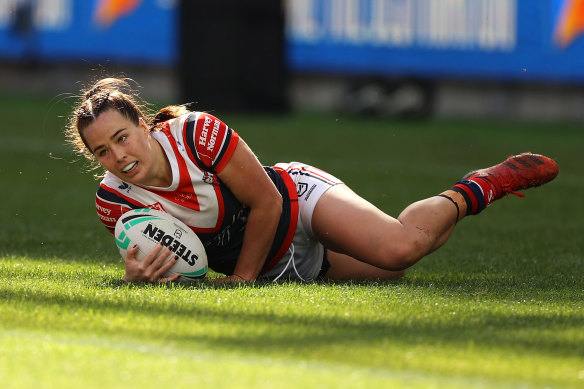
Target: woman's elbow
<point x="276" y="202"/>
<point x="269" y="205"/>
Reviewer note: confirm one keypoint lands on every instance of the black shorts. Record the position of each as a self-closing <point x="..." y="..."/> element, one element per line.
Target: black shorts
<point x="325" y="265"/>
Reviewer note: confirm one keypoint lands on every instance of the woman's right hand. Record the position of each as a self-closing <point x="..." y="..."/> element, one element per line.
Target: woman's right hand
<point x="152" y="268"/>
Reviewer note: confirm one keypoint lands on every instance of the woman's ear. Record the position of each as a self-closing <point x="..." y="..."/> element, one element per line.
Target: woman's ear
<point x="143" y="125"/>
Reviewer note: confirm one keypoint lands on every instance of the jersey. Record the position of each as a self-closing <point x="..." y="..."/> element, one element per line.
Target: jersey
<point x="198" y="147"/>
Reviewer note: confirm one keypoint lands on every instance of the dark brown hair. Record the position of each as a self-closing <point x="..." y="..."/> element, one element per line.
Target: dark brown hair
<point x="118" y="94"/>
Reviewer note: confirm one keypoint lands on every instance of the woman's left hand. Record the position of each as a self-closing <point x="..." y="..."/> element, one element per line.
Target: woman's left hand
<point x="230" y="279"/>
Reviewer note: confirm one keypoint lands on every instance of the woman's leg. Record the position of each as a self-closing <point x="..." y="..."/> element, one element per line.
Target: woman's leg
<point x="347" y="224"/>
<point x="343" y="267"/>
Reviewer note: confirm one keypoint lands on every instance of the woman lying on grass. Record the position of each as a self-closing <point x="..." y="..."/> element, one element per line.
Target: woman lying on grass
<point x="290" y="221"/>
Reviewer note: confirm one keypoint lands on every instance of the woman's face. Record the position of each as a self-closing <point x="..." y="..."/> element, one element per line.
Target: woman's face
<point x="121" y="147"/>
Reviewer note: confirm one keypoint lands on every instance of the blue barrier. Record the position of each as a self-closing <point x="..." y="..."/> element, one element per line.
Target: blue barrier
<point x="134" y="31"/>
<point x="491" y="39"/>
<point x="531" y="40"/>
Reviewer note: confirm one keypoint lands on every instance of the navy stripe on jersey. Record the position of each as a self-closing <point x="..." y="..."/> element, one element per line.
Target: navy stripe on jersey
<point x="114" y="198"/>
<point x="190" y="138"/>
<point x="223" y="149"/>
<point x="286" y="215"/>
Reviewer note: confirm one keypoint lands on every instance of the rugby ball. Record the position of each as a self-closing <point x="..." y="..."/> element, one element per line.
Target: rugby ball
<point x="148" y="227"/>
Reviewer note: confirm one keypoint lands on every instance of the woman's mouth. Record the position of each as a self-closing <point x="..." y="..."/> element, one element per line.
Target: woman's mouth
<point x="129" y="167"/>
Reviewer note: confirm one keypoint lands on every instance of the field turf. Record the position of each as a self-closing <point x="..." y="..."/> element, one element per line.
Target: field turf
<point x="501" y="305"/>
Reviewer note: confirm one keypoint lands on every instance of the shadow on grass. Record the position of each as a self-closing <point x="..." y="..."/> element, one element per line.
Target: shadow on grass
<point x="304" y="332"/>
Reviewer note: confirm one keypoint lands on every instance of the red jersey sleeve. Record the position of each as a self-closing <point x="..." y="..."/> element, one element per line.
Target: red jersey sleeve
<point x="211" y="142"/>
<point x="110" y="207"/>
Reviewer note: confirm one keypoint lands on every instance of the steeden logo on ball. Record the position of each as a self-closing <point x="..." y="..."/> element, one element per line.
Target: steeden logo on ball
<point x="148" y="227"/>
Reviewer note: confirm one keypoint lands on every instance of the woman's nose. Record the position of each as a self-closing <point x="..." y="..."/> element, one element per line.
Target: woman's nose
<point x="118" y="153"/>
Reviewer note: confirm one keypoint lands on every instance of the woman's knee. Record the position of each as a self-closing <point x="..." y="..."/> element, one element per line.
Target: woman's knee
<point x="398" y="256"/>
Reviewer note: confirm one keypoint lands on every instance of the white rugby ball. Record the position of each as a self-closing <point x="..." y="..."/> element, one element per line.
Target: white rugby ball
<point x="148" y="227"/>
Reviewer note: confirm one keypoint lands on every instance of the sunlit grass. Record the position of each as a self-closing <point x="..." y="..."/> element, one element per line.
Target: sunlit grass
<point x="499" y="306"/>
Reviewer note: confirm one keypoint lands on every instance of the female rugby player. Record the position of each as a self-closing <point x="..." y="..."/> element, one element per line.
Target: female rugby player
<point x="289" y="221"/>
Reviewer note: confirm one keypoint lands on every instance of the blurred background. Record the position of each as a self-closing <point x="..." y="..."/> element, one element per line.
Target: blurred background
<point x="407" y="58"/>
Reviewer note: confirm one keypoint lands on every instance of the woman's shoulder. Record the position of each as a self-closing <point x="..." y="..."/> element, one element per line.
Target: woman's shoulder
<point x="209" y="141"/>
<point x="180" y="123"/>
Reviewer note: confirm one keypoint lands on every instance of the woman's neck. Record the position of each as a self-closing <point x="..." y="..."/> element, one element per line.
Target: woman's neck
<point x="161" y="170"/>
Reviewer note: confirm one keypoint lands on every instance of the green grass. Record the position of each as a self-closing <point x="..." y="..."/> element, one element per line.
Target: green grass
<point x="501" y="305"/>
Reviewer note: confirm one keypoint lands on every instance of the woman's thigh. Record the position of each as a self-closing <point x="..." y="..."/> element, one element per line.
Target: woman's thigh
<point x="348" y="224"/>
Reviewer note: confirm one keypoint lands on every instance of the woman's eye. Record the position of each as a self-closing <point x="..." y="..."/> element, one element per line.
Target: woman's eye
<point x="122" y="138"/>
<point x="102" y="153"/>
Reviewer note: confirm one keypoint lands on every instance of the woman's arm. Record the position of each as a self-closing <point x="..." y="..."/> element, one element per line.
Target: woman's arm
<point x="249" y="182"/>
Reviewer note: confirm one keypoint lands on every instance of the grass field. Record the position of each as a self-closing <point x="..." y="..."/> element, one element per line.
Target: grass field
<point x="501" y="305"/>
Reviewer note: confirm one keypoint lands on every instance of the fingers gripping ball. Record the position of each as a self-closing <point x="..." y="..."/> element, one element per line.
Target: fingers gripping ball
<point x="148" y="227"/>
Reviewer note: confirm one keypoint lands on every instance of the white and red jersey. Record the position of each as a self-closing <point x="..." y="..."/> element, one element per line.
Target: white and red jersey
<point x="198" y="147"/>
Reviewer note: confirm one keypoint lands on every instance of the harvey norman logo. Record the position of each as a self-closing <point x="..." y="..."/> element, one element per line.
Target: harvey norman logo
<point x="209" y="134"/>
